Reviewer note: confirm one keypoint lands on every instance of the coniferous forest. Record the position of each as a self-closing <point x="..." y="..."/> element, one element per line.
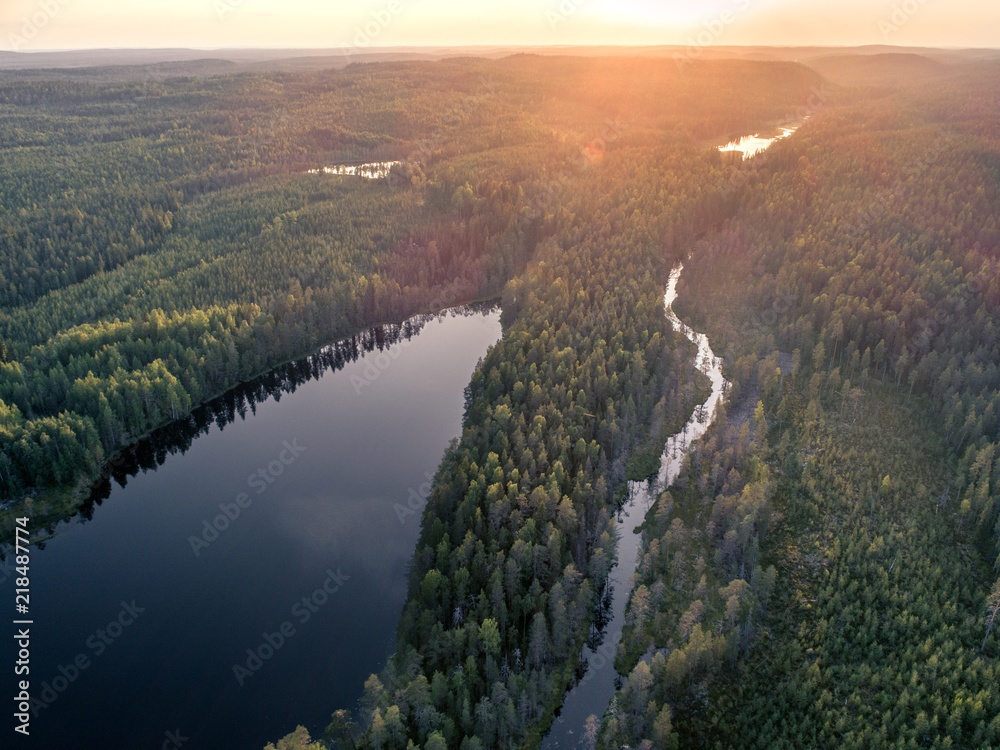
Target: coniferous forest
<point x="824" y="571"/>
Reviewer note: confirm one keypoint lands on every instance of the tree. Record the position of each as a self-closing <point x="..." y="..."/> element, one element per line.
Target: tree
<point x="297" y="740"/>
<point x="663" y="730"/>
<point x="992" y="612"/>
<point x="489" y="635"/>
<point x="339" y="733"/>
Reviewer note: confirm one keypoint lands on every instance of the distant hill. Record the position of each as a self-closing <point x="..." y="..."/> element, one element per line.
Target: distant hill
<point x="208" y="62"/>
<point x="112" y="73"/>
<point x="878" y="70"/>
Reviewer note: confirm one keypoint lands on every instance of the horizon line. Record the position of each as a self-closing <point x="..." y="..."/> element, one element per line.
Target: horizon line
<point x="506" y="45"/>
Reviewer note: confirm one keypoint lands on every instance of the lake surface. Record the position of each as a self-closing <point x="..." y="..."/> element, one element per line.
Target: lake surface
<point x="592" y="695"/>
<point x="162" y="592"/>
<point x="373" y="171"/>
<point x="751" y="145"/>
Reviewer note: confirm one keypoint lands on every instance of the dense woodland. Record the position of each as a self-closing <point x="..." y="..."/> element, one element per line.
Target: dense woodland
<point x="519" y="536"/>
<point x="847" y="536"/>
<point x="822" y="572"/>
<point x="161" y="243"/>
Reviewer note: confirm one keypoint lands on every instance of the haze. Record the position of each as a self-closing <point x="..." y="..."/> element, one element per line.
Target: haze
<point x="28" y="25"/>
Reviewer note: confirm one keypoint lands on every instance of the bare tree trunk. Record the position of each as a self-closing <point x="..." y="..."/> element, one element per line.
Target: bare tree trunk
<point x="995" y="607"/>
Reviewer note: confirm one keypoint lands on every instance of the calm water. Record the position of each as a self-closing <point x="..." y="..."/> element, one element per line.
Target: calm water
<point x="373" y="171"/>
<point x="593" y="693"/>
<point x="310" y="573"/>
<point x="751" y="145"/>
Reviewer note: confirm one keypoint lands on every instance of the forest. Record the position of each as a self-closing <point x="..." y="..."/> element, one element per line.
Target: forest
<point x="823" y="572"/>
<point x="162" y="244"/>
<point x="842" y="543"/>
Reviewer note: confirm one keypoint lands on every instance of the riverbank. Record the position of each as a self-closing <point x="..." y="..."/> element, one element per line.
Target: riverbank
<point x="592" y="692"/>
<point x="49" y="506"/>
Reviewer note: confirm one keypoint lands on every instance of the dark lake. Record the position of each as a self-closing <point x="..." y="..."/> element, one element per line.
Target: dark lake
<point x="304" y="564"/>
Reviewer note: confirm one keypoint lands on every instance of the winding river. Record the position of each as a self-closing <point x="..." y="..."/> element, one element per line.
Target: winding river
<point x="247" y="566"/>
<point x="592" y="694"/>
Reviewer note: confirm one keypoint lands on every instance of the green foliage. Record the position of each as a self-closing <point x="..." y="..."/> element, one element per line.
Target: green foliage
<point x="871" y="241"/>
<point x="702" y="588"/>
<point x="881" y="603"/>
<point x="162" y="244"/>
<point x="297" y="740"/>
<point x="183" y="205"/>
<point x="518" y="536"/>
<point x="866" y="242"/>
<point x="519" y="528"/>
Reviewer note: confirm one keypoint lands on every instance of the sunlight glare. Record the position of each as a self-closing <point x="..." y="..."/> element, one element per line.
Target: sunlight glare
<point x="667" y="13"/>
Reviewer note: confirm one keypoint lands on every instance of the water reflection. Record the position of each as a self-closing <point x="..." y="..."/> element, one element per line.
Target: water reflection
<point x="177" y="437"/>
<point x="218" y="577"/>
<point x="596" y="677"/>
<point x="372" y="171"/>
<point x="751" y="145"/>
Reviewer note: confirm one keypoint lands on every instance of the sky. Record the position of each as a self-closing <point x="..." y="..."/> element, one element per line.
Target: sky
<point x="28" y="25"/>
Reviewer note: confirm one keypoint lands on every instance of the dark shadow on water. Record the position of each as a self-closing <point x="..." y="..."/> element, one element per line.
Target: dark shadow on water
<point x="152" y="451"/>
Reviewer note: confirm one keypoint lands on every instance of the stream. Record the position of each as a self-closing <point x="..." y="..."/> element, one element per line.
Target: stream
<point x="592" y="694"/>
